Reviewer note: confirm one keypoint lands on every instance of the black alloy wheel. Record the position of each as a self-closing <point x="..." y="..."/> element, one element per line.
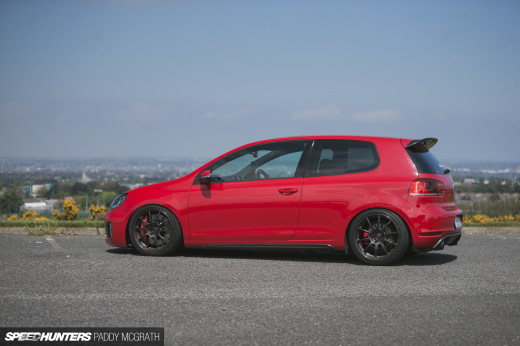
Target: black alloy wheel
<point x="154" y="230"/>
<point x="378" y="237"/>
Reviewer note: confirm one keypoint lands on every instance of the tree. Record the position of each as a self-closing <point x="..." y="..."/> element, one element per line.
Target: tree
<point x="43" y="192"/>
<point x="78" y="188"/>
<point x="107" y="197"/>
<point x="53" y="191"/>
<point x="113" y="186"/>
<point x="495" y="197"/>
<point x="10" y="201"/>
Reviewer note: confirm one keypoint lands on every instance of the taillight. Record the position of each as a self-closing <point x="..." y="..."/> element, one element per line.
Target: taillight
<point x="427" y="187"/>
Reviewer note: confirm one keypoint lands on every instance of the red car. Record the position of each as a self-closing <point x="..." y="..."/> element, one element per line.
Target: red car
<point x="377" y="197"/>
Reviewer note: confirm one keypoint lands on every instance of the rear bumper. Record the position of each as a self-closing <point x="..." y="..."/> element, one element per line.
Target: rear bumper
<point x="449" y="240"/>
<point x="432" y="224"/>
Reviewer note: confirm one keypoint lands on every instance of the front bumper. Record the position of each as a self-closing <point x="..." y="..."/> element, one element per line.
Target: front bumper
<point x="115" y="227"/>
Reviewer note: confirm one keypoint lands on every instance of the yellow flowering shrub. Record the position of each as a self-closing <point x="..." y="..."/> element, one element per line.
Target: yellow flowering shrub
<point x="486" y="219"/>
<point x="70" y="211"/>
<point x="30" y="215"/>
<point x="96" y="213"/>
<point x="41" y="218"/>
<point x="505" y="218"/>
<point x="12" y="218"/>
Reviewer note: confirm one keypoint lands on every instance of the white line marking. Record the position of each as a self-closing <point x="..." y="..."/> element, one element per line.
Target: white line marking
<point x="54" y="244"/>
<point x="502" y="236"/>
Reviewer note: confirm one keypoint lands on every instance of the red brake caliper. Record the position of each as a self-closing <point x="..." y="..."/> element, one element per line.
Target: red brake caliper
<point x="142" y="232"/>
<point x="365" y="238"/>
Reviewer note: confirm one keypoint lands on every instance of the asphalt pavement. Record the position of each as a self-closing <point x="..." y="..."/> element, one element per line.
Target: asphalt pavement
<point x="466" y="294"/>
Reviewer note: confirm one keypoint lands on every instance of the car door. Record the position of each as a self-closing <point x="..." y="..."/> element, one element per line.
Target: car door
<point x="253" y="195"/>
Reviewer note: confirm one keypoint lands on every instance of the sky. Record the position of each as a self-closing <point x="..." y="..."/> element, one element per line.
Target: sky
<point x="179" y="79"/>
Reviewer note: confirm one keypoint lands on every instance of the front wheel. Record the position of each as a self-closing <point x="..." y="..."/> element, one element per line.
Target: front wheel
<point x="155" y="231"/>
<point x="378" y="237"/>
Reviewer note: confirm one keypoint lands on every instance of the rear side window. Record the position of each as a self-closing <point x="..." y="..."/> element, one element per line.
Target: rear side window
<point x="334" y="157"/>
<point x="426" y="162"/>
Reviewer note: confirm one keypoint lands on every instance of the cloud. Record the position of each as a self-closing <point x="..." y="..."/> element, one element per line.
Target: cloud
<point x="99" y="36"/>
<point x="456" y="31"/>
<point x="448" y="33"/>
<point x="67" y="116"/>
<point x="330" y="112"/>
<point x="148" y="2"/>
<point x="16" y="110"/>
<point x="234" y="115"/>
<point x="210" y="114"/>
<point x="142" y="112"/>
<point x="379" y="116"/>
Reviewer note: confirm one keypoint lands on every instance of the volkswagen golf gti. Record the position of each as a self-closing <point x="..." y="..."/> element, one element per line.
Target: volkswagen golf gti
<point x="378" y="198"/>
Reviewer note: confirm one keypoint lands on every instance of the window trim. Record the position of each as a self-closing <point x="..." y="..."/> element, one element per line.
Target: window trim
<point x="312" y="166"/>
<point x="300" y="168"/>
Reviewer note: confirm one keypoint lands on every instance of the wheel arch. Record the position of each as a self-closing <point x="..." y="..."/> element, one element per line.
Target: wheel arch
<point x="396" y="211"/>
<point x="127" y="228"/>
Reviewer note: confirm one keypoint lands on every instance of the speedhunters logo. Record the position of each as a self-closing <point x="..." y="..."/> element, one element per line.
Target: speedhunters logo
<point x="82" y="336"/>
<point x="49" y="336"/>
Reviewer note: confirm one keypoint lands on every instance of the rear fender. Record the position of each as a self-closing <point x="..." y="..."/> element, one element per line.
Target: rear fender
<point x="390" y="208"/>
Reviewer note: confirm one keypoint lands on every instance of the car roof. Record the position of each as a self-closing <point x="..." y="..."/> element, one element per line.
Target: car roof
<point x="320" y="137"/>
<point x="376" y="140"/>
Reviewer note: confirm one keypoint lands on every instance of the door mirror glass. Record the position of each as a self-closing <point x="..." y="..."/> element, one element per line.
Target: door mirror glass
<point x="205" y="177"/>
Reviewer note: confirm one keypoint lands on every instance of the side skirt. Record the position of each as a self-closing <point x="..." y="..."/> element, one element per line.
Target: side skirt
<point x="273" y="246"/>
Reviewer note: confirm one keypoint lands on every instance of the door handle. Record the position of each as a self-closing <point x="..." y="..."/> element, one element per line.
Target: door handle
<point x="288" y="191"/>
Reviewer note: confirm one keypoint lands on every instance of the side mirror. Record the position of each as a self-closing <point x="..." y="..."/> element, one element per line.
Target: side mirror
<point x="205" y="177"/>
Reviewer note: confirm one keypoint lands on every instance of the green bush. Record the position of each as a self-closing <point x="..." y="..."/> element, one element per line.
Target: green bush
<point x="492" y="207"/>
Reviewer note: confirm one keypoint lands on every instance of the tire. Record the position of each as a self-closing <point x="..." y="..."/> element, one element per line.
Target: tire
<point x="378" y="237"/>
<point x="159" y="237"/>
<point x="410" y="252"/>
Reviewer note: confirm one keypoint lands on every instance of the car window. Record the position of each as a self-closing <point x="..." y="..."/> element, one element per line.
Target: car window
<point x="267" y="161"/>
<point x="426" y="162"/>
<point x="239" y="163"/>
<point x="283" y="166"/>
<point x="334" y="157"/>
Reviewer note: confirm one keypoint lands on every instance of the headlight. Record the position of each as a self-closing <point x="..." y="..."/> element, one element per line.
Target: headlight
<point x="118" y="201"/>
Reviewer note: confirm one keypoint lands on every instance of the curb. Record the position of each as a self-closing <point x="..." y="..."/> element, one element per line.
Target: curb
<point x="490" y="230"/>
<point x="90" y="231"/>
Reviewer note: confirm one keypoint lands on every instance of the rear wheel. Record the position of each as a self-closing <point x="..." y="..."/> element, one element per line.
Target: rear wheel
<point x="378" y="237"/>
<point x="155" y="231"/>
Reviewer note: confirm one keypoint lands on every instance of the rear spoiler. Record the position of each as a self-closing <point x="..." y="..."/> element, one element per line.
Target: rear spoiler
<point x="421" y="145"/>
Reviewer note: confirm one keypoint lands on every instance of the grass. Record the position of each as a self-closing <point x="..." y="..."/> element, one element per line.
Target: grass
<point x="52" y="224"/>
<point x="40" y="228"/>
